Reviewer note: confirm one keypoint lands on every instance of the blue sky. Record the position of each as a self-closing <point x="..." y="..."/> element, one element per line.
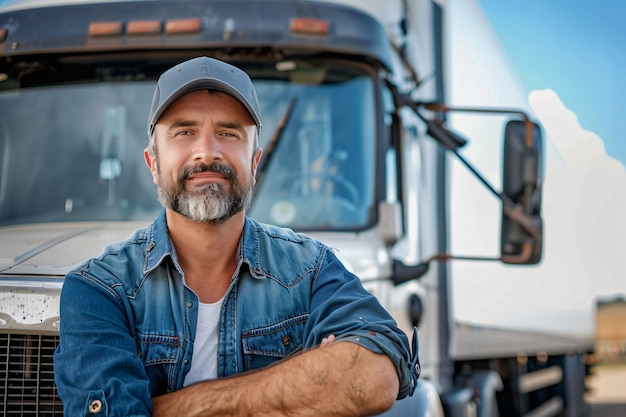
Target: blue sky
<point x="576" y="48"/>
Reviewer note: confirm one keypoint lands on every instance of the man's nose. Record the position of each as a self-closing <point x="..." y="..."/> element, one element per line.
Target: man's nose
<point x="207" y="148"/>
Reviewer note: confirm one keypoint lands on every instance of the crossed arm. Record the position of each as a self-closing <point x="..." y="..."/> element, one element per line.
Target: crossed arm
<point x="336" y="379"/>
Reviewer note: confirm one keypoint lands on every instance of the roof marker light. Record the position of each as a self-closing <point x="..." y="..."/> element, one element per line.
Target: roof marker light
<point x="105" y="28"/>
<point x="143" y="27"/>
<point x="309" y="26"/>
<point x="176" y="26"/>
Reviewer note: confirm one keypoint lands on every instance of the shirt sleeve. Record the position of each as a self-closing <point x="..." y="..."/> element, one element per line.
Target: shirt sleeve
<point x="342" y="307"/>
<point x="97" y="368"/>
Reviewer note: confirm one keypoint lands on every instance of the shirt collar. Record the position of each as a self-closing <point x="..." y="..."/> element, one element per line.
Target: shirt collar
<point x="159" y="246"/>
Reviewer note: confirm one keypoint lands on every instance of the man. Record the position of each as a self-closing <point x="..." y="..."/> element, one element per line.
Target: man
<point x="207" y="312"/>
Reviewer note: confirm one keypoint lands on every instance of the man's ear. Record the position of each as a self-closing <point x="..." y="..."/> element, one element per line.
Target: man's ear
<point x="151" y="162"/>
<point x="256" y="160"/>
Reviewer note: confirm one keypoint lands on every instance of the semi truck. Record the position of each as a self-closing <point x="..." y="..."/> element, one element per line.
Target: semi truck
<point x="358" y="148"/>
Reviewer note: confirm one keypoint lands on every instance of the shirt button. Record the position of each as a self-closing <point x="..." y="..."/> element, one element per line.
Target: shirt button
<point x="286" y="340"/>
<point x="186" y="361"/>
<point x="189" y="305"/>
<point x="95" y="406"/>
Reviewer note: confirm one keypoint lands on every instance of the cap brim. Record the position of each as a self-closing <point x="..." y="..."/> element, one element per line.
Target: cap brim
<point x="203" y="83"/>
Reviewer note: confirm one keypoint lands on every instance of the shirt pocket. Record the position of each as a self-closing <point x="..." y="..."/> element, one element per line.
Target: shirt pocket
<point x="265" y="345"/>
<point x="159" y="355"/>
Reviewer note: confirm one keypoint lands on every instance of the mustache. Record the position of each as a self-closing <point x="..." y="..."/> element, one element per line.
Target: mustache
<point x="227" y="171"/>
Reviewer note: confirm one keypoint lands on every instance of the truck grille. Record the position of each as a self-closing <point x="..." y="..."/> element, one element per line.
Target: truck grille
<point x="26" y="376"/>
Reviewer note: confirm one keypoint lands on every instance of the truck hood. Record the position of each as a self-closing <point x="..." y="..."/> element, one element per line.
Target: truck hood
<point x="55" y="249"/>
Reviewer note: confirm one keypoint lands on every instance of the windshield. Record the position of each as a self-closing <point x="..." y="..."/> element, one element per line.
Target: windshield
<point x="75" y="152"/>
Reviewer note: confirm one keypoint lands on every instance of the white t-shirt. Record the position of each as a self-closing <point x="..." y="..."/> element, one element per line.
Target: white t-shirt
<point x="204" y="359"/>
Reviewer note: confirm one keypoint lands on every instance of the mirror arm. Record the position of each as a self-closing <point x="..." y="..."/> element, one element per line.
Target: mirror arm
<point x="403" y="273"/>
<point x="452" y="141"/>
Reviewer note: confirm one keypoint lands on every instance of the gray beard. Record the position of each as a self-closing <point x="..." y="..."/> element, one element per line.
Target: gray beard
<point x="209" y="203"/>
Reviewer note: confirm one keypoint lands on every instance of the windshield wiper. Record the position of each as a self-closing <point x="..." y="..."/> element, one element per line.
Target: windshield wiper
<point x="276" y="137"/>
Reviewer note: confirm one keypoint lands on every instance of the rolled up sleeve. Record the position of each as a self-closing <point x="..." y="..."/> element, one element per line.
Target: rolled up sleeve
<point x="342" y="307"/>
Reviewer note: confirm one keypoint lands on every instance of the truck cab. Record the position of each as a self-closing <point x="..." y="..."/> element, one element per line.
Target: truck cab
<point x="352" y="157"/>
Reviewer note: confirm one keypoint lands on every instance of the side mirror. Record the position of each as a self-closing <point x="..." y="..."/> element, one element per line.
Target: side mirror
<point x="522" y="177"/>
<point x="521" y="239"/>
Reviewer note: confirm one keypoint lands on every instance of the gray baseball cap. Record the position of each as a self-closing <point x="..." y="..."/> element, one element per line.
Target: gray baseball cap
<point x="199" y="74"/>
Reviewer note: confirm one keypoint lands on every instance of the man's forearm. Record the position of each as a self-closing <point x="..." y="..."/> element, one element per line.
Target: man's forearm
<point x="339" y="379"/>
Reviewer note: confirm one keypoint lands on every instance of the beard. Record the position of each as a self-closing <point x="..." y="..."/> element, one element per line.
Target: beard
<point x="208" y="203"/>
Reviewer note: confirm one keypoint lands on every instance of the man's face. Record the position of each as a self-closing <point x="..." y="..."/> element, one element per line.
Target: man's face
<point x="204" y="163"/>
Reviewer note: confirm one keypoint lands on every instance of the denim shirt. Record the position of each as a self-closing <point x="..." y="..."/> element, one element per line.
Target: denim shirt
<point x="128" y="320"/>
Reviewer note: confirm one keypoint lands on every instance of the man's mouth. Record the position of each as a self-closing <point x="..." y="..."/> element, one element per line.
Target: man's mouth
<point x="203" y="171"/>
<point x="207" y="175"/>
